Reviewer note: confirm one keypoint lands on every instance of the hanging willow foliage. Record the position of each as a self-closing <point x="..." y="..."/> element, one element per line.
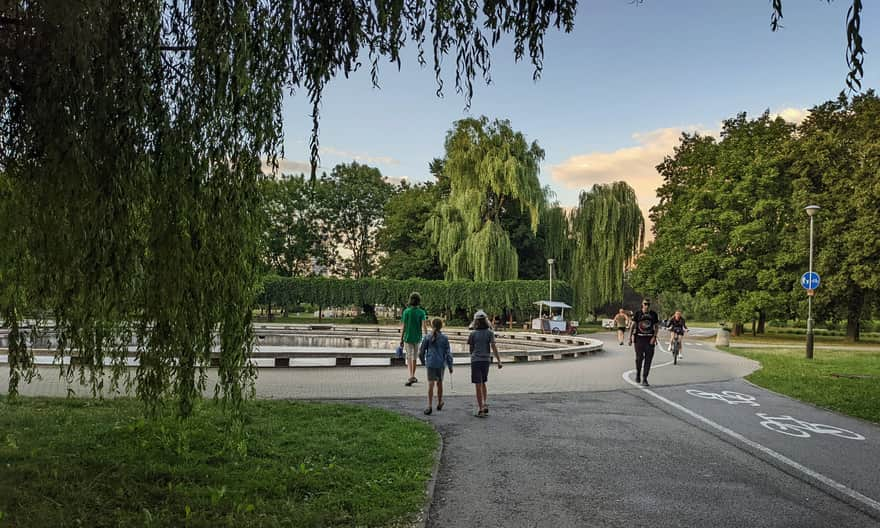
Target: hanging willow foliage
<point x="131" y="135"/>
<point x="490" y="167"/>
<point x="132" y="154"/>
<point x="608" y="230"/>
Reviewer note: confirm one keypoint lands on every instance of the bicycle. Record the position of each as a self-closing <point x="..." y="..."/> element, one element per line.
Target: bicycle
<point x="675" y="347"/>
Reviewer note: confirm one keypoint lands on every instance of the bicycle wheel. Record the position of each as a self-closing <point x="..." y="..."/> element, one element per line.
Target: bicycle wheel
<point x="674" y="350"/>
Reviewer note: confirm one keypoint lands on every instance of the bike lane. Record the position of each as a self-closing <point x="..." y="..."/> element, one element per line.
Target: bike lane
<point x="836" y="453"/>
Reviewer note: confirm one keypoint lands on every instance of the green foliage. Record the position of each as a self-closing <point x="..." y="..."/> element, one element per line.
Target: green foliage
<point x="731" y="229"/>
<point x="438" y="297"/>
<point x="837" y="159"/>
<point x="356" y="200"/>
<point x="608" y="230"/>
<point x="490" y="168"/>
<point x="403" y="238"/>
<point x="297" y="238"/>
<point x="101" y="464"/>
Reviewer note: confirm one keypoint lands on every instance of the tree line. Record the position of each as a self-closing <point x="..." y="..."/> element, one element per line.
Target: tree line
<point x="731" y="230"/>
<point x="484" y="218"/>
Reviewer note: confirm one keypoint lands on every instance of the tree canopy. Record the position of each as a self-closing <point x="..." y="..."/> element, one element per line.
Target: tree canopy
<point x="730" y="227"/>
<point x="491" y="168"/>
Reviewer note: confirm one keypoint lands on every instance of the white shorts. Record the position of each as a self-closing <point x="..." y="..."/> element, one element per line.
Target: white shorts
<point x="411" y="350"/>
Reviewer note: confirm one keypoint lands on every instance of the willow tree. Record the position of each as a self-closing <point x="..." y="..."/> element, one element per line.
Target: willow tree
<point x="131" y="141"/>
<point x="490" y="168"/>
<point x="608" y="230"/>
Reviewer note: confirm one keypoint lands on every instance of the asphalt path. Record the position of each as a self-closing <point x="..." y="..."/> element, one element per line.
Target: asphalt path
<point x="673" y="455"/>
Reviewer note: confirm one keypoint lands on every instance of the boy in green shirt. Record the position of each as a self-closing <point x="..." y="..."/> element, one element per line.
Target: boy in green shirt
<point x="412" y="324"/>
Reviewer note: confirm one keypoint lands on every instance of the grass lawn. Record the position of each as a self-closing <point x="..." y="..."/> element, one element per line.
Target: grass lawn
<point x="100" y="463"/>
<point x="847" y="381"/>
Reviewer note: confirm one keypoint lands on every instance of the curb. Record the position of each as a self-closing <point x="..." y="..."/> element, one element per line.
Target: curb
<point x="422" y="520"/>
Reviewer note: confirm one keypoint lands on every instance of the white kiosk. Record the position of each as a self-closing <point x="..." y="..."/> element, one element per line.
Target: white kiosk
<point x="553" y="324"/>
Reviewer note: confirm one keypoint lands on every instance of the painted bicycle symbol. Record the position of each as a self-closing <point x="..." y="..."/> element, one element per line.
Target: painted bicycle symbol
<point x="801" y="429"/>
<point x="729" y="397"/>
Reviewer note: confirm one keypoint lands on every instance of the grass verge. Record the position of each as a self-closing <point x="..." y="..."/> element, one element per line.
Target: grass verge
<point x="100" y="463"/>
<point x="846" y="381"/>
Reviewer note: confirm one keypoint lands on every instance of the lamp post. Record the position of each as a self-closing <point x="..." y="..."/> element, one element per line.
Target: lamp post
<point x="811" y="211"/>
<point x="550" y="263"/>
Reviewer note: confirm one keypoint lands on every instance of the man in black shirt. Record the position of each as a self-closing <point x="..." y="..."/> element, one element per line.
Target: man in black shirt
<point x="646" y="324"/>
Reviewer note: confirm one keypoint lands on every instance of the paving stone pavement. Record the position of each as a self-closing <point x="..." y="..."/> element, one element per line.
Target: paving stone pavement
<point x="597" y="372"/>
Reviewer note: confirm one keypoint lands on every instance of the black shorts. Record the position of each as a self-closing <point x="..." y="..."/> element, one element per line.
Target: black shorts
<point x="480" y="372"/>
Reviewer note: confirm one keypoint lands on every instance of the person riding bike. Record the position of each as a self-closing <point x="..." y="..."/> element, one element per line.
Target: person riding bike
<point x="677" y="328"/>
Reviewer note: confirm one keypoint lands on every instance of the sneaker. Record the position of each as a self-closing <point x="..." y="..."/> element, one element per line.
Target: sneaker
<point x="486" y="409"/>
<point x="428" y="410"/>
<point x="440" y="406"/>
<point x="645" y="383"/>
<point x="479" y="414"/>
<point x="409" y="383"/>
<point x="413" y="380"/>
<point x="621" y="343"/>
<point x="680" y="357"/>
<point x="638" y="378"/>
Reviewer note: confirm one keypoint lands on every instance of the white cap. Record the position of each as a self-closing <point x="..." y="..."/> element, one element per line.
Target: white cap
<point x="480" y="315"/>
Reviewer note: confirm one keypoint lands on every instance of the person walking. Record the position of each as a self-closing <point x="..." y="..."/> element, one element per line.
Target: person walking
<point x="480" y="342"/>
<point x="413" y="323"/>
<point x="436" y="354"/>
<point x="645" y="326"/>
<point x="622" y="322"/>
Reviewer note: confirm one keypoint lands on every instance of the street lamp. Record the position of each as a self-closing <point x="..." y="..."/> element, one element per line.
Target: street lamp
<point x="811" y="211"/>
<point x="550" y="263"/>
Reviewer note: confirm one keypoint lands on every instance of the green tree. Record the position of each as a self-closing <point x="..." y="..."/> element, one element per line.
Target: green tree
<point x="608" y="230"/>
<point x="837" y="161"/>
<point x="297" y="238"/>
<point x="356" y="199"/>
<point x="490" y="168"/>
<point x="723" y="221"/>
<point x="409" y="253"/>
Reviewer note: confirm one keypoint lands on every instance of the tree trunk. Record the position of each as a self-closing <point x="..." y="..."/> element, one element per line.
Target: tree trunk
<point x="754" y="328"/>
<point x="762" y="321"/>
<point x="854" y="305"/>
<point x="737" y="329"/>
<point x="369" y="313"/>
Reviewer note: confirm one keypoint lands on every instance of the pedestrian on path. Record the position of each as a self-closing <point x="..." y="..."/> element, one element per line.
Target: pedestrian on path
<point x="646" y="324"/>
<point x="436" y="354"/>
<point x="480" y="342"/>
<point x="622" y="322"/>
<point x="413" y="323"/>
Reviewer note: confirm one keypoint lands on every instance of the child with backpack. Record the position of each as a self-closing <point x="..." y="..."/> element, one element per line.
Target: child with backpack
<point x="435" y="354"/>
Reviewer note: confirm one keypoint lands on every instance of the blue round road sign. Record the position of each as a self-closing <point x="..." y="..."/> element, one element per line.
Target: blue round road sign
<point x="810" y="280"/>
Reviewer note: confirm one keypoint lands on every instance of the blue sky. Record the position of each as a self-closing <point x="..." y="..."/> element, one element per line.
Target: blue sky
<point x="614" y="94"/>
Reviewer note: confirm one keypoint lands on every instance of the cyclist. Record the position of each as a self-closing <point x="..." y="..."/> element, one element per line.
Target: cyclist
<point x="677" y="327"/>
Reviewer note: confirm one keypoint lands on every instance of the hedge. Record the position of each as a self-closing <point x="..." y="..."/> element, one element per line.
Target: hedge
<point x="438" y="297"/>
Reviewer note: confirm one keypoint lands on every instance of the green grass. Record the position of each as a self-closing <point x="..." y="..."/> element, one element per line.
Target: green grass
<point x="846" y="381"/>
<point x="100" y="463"/>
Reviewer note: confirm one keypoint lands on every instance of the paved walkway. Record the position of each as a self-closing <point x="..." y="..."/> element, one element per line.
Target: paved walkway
<point x="575" y="443"/>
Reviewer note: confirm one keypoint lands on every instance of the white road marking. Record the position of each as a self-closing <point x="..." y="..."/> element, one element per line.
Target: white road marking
<point x="831" y="483"/>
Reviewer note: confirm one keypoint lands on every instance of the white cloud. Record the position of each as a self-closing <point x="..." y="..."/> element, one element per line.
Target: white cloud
<point x="634" y="165"/>
<point x="792" y="115"/>
<point x="363" y="158"/>
<point x="286" y="166"/>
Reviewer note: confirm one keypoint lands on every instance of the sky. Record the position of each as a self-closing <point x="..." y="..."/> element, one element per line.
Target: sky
<point x="614" y="96"/>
